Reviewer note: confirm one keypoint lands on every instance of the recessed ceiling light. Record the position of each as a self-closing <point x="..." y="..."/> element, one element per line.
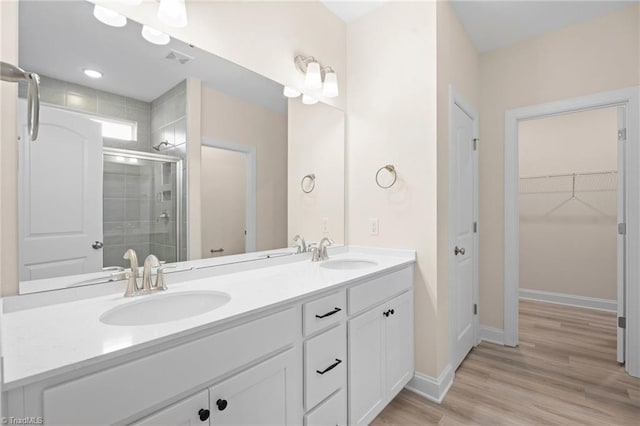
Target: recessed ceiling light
<point x="154" y="36"/>
<point x="92" y="73"/>
<point x="109" y="17"/>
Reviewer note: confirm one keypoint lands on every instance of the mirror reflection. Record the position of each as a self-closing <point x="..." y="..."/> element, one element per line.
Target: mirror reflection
<point x="161" y="148"/>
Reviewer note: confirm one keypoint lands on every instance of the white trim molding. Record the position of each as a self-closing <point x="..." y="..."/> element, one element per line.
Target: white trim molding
<point x="629" y="98"/>
<point x="433" y="389"/>
<point x="569" y="300"/>
<point x="492" y="335"/>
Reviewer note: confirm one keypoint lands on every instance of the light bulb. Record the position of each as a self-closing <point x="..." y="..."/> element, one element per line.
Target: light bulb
<point x="330" y="88"/>
<point x="154" y="36"/>
<point x="313" y="79"/>
<point x="173" y="13"/>
<point x="290" y="92"/>
<point x="308" y="100"/>
<point x="109" y="17"/>
<point x="92" y="73"/>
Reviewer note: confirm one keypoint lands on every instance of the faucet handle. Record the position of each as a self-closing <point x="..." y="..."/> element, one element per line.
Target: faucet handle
<point x="161" y="284"/>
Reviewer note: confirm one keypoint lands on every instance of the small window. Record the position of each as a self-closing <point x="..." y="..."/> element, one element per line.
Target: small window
<point x="123" y="130"/>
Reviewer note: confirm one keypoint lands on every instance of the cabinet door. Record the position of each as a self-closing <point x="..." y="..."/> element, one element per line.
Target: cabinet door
<point x="266" y="394"/>
<point x="184" y="413"/>
<point x="366" y="351"/>
<point x="398" y="327"/>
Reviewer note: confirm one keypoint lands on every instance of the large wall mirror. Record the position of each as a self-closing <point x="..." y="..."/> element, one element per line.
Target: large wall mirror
<point x="111" y="167"/>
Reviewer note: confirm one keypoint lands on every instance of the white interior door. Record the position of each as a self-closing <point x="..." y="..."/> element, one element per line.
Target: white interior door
<point x="621" y="241"/>
<point x="60" y="195"/>
<point x="462" y="244"/>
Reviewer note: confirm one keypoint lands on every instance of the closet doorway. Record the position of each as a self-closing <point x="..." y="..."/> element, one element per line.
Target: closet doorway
<point x="572" y="211"/>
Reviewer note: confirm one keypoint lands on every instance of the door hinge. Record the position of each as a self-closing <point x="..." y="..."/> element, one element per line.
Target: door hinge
<point x="622" y="134"/>
<point x="475" y="309"/>
<point x="475" y="226"/>
<point x="622" y="322"/>
<point x="475" y="144"/>
<point x="622" y="229"/>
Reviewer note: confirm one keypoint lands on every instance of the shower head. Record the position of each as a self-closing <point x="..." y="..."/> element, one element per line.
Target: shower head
<point x="159" y="145"/>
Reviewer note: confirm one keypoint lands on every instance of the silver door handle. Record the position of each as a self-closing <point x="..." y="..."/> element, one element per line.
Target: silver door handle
<point x="458" y="251"/>
<point x="97" y="245"/>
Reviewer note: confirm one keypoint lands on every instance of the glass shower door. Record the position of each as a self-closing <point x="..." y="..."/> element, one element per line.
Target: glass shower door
<point x="141" y="208"/>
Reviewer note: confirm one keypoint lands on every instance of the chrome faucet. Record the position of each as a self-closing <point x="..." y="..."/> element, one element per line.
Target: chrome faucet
<point x="299" y="242"/>
<point x="147" y="285"/>
<point x="321" y="252"/>
<point x="133" y="288"/>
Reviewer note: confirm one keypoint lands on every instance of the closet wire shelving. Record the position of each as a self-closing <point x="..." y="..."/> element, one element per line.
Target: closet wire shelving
<point x="572" y="184"/>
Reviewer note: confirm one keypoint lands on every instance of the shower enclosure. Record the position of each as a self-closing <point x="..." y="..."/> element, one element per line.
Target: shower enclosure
<point x="142" y="201"/>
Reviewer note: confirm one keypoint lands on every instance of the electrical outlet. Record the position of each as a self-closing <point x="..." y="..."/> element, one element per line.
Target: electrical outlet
<point x="325" y="225"/>
<point x="373" y="226"/>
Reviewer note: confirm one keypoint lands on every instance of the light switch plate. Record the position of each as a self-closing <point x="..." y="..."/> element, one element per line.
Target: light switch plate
<point x="373" y="226"/>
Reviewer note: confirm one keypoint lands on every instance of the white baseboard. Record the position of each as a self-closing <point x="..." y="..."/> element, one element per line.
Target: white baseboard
<point x="430" y="388"/>
<point x="492" y="334"/>
<point x="570" y="300"/>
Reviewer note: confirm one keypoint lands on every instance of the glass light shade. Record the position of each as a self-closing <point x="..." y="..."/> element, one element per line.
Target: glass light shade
<point x="308" y="100"/>
<point x="290" y="92"/>
<point x="173" y="13"/>
<point x="313" y="79"/>
<point x="109" y="17"/>
<point x="154" y="36"/>
<point x="330" y="88"/>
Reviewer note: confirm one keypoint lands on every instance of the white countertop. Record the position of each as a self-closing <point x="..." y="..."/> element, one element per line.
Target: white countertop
<point x="45" y="341"/>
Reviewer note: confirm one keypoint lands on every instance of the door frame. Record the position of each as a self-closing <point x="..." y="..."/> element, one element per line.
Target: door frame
<point x="456" y="99"/>
<point x="252" y="184"/>
<point x="628" y="97"/>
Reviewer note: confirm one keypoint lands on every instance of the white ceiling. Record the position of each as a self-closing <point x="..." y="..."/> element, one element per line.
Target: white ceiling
<point x="59" y="39"/>
<point x="349" y="11"/>
<point x="495" y="24"/>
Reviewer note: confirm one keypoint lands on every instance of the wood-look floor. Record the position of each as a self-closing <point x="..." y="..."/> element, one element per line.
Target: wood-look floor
<point x="563" y="373"/>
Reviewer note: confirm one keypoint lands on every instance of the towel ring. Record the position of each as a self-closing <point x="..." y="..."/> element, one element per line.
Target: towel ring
<point x="391" y="169"/>
<point x="311" y="178"/>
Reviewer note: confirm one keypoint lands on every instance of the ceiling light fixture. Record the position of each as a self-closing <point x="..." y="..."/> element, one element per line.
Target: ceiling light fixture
<point x="315" y="74"/>
<point x="92" y="73"/>
<point x="309" y="100"/>
<point x="154" y="36"/>
<point x="173" y="13"/>
<point x="109" y="17"/>
<point x="290" y="92"/>
<point x="330" y="87"/>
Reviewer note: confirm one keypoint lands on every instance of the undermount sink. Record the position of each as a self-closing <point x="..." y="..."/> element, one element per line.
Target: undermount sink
<point x="348" y="264"/>
<point x="159" y="308"/>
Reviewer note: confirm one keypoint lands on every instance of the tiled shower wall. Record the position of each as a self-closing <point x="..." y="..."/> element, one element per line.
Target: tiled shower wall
<point x="169" y="123"/>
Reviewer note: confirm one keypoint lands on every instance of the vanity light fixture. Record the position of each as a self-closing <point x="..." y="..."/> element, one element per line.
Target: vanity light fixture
<point x="154" y="36"/>
<point x="173" y="13"/>
<point x="330" y="87"/>
<point x="315" y="74"/>
<point x="308" y="100"/>
<point x="92" y="73"/>
<point x="290" y="92"/>
<point x="109" y="17"/>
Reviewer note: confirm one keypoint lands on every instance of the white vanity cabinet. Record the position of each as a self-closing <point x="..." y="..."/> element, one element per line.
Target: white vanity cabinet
<point x="337" y="358"/>
<point x="380" y="347"/>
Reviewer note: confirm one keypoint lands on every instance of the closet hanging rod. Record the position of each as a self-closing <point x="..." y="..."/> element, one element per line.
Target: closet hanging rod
<point x="604" y="172"/>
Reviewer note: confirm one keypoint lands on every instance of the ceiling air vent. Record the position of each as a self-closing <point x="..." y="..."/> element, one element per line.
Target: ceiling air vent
<point x="180" y="57"/>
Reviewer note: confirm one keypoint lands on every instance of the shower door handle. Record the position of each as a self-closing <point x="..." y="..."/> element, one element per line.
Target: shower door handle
<point x="97" y="245"/>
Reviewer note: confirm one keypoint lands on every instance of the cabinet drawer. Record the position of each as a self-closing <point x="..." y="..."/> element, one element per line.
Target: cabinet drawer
<point x="331" y="412"/>
<point x="324" y="312"/>
<point x="378" y="289"/>
<point x="325" y="366"/>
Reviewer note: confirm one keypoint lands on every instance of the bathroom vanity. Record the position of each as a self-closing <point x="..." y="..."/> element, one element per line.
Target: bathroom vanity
<point x="300" y="342"/>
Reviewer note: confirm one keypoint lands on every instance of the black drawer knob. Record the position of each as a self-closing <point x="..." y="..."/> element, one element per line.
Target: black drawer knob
<point x="392" y="311"/>
<point x="204" y="415"/>
<point x="222" y="404"/>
